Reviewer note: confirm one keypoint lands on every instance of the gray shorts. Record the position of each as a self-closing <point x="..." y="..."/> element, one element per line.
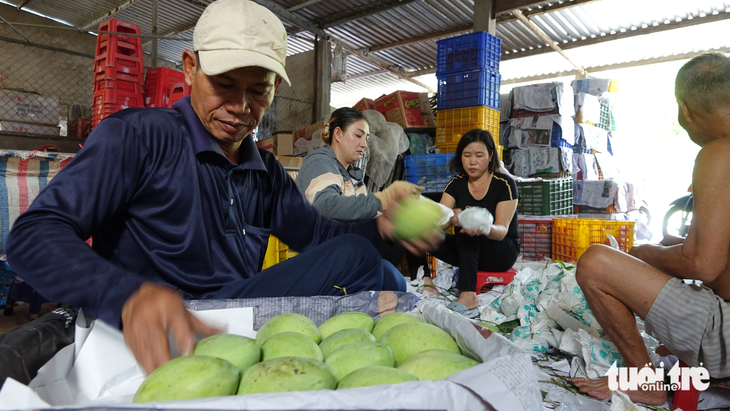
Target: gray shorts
<point x="694" y="324"/>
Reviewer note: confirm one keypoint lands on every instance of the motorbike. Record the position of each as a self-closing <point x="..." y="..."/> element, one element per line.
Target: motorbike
<point x="679" y="217"/>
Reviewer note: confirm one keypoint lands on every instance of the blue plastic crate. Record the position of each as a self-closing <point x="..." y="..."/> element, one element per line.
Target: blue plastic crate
<point x="479" y="50"/>
<point x="430" y="171"/>
<point x="479" y="87"/>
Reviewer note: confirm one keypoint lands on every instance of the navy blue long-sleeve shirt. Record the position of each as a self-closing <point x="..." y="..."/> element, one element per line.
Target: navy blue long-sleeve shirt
<point x="163" y="204"/>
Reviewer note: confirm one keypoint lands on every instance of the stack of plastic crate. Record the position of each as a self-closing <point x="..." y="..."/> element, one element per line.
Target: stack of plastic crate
<point x="468" y="88"/>
<point x="573" y="236"/>
<point x="547" y="197"/>
<point x="535" y="237"/>
<point x="430" y="171"/>
<point x="118" y="69"/>
<point x="164" y="86"/>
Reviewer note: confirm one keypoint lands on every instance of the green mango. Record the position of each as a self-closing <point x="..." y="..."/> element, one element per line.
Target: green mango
<point x="374" y="375"/>
<point x="411" y="338"/>
<point x="288" y="322"/>
<point x="287" y="374"/>
<point x="415" y="218"/>
<point x="192" y="376"/>
<point x="344" y="337"/>
<point x="434" y="365"/>
<point x="241" y="351"/>
<point x="389" y="321"/>
<point x="290" y="344"/>
<point x="349" y="358"/>
<point x="345" y="321"/>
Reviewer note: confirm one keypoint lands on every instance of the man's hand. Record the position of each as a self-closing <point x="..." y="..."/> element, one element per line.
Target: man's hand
<point x="415" y="246"/>
<point x="147" y="317"/>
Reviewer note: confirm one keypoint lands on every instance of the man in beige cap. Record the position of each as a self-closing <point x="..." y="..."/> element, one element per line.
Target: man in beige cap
<point x="180" y="203"/>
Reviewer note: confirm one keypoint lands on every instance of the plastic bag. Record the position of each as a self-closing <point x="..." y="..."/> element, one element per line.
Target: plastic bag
<point x="387" y="140"/>
<point x="476" y="218"/>
<point x="27" y="348"/>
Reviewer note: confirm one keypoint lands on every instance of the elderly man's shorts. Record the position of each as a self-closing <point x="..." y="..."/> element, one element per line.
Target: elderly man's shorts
<point x="694" y="324"/>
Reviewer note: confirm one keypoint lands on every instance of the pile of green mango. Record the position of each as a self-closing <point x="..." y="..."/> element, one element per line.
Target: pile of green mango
<point x="290" y="353"/>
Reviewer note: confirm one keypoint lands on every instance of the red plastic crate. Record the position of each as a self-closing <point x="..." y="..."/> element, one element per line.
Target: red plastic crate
<point x="159" y="86"/>
<point x="118" y="97"/>
<point x="125" y="46"/>
<point x="536" y="238"/>
<point x="120" y="61"/>
<point x="79" y="127"/>
<point x="119" y="26"/>
<point x="179" y="91"/>
<point x="120" y="85"/>
<point x="102" y="72"/>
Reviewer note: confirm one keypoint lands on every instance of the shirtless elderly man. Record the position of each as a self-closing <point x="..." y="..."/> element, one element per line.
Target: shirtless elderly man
<point x="692" y="321"/>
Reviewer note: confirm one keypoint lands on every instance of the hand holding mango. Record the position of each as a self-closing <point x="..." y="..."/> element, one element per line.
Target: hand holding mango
<point x="396" y="192"/>
<point x="416" y="218"/>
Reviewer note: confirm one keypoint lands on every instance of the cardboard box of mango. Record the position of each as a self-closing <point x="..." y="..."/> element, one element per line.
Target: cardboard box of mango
<point x="428" y="358"/>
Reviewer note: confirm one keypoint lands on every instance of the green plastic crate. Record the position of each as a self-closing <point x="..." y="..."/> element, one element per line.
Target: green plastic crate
<point x="547" y="197"/>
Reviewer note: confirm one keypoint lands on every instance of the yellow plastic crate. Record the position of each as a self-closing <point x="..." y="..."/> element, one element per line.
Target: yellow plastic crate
<point x="446" y="148"/>
<point x="500" y="150"/>
<point x="276" y="252"/>
<point x="452" y="124"/>
<point x="573" y="236"/>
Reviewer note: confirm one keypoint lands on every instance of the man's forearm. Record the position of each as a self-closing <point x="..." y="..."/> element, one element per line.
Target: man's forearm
<point x="668" y="259"/>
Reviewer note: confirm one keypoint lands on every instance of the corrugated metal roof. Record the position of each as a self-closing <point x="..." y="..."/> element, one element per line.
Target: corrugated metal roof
<point x="409" y="19"/>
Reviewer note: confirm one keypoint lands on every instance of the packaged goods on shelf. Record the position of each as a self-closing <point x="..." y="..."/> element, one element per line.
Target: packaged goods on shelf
<point x="595" y="86"/>
<point x="27" y="128"/>
<point x="404" y="108"/>
<point x="548" y="131"/>
<point x="28" y="108"/>
<point x="553" y="161"/>
<point x="543" y="99"/>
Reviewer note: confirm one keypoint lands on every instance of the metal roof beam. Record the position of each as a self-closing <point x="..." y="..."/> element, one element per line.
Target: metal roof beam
<point x="303" y="5"/>
<point x="110" y="13"/>
<point x="622" y="35"/>
<point x="553" y="45"/>
<point x="616" y="66"/>
<point x="367" y="12"/>
<point x="505" y="18"/>
<point x="309" y="26"/>
<point x="501" y="6"/>
<point x="425" y="37"/>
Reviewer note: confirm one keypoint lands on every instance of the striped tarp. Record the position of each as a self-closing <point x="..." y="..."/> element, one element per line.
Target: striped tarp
<point x="23" y="174"/>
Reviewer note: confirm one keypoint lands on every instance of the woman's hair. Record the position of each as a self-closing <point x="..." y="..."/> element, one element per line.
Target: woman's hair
<point x="469" y="137"/>
<point x="342" y="118"/>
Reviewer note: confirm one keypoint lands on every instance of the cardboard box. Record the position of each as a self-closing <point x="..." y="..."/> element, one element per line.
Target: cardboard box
<point x="364" y="104"/>
<point x="306" y="132"/>
<point x="28" y="108"/>
<point x="284" y="144"/>
<point x="402" y="107"/>
<point x="29" y="128"/>
<point x="426" y="111"/>
<point x="268" y="144"/>
<point x="290" y="161"/>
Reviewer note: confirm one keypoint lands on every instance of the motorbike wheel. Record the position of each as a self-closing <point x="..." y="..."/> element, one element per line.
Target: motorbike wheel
<point x="677" y="221"/>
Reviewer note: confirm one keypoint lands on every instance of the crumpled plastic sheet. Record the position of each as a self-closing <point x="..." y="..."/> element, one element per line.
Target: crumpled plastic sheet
<point x="387" y="140"/>
<point x="527" y="299"/>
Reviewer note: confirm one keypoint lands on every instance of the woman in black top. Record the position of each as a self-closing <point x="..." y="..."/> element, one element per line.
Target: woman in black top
<point x="479" y="184"/>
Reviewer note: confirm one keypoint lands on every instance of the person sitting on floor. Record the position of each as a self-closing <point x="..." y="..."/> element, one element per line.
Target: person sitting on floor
<point x="479" y="184"/>
<point x="331" y="183"/>
<point x="692" y="321"/>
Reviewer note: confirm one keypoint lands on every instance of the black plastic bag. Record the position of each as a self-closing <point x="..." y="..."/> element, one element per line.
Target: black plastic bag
<point x="27" y="348"/>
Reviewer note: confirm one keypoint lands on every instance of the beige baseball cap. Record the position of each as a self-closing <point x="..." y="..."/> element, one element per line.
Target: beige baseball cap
<point x="231" y="34"/>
